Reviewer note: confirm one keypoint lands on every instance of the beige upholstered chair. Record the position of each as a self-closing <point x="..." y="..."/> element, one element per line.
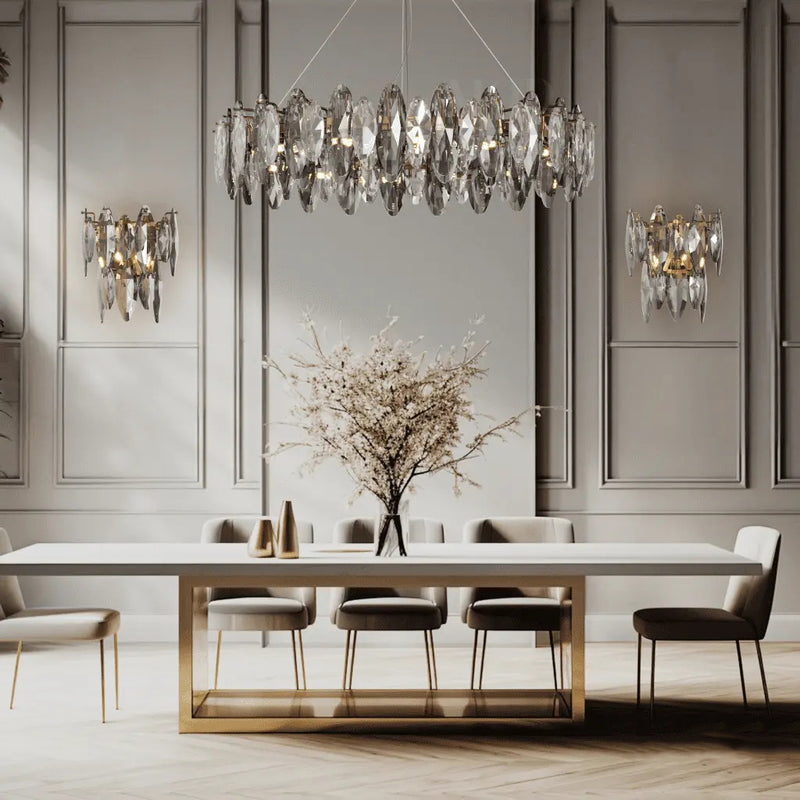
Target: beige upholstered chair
<point x="532" y="609"/>
<point x="388" y="609"/>
<point x="20" y="624"/>
<point x="744" y="614"/>
<point x="259" y="609"/>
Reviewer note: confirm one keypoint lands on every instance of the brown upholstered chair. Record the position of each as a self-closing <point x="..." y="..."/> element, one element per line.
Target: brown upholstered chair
<point x="388" y="609"/>
<point x="744" y="614"/>
<point x="532" y="609"/>
<point x="259" y="609"/>
<point x="20" y="624"/>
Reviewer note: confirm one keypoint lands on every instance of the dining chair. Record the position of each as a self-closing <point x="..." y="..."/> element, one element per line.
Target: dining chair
<point x="388" y="609"/>
<point x="744" y="614"/>
<point x="514" y="609"/>
<point x="20" y="624"/>
<point x="259" y="608"/>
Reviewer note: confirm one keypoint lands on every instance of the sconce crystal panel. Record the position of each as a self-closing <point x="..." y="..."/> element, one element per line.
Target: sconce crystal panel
<point x="132" y="258"/>
<point x="673" y="255"/>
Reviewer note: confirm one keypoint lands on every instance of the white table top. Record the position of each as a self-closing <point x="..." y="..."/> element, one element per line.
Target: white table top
<point x="329" y="560"/>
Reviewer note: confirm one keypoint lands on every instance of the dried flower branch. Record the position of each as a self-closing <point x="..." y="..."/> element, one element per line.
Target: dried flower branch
<point x="389" y="416"/>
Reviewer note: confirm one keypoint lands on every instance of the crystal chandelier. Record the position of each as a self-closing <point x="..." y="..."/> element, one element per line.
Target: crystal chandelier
<point x="131" y="258"/>
<point x="352" y="151"/>
<point x="673" y="255"/>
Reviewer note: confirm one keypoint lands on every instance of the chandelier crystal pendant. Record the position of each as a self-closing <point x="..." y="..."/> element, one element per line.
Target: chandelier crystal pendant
<point x="673" y="255"/>
<point x="132" y="258"/>
<point x="351" y="151"/>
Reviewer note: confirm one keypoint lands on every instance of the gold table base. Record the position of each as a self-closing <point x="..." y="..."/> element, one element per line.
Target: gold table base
<point x="205" y="710"/>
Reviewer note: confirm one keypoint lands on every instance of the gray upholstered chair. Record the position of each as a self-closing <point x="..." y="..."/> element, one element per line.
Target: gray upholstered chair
<point x="20" y="624"/>
<point x="388" y="609"/>
<point x="521" y="609"/>
<point x="744" y="614"/>
<point x="259" y="609"/>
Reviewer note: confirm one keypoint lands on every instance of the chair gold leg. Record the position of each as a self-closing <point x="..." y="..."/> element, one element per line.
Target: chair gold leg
<point x="116" y="673"/>
<point x="474" y="654"/>
<point x="652" y="681"/>
<point x="553" y="658"/>
<point x="428" y="660"/>
<point x="433" y="661"/>
<point x="216" y="662"/>
<point x="103" y="680"/>
<point x="353" y="659"/>
<point x="639" y="673"/>
<point x="294" y="654"/>
<point x="741" y="671"/>
<point x="16" y="669"/>
<point x="763" y="677"/>
<point x="346" y="660"/>
<point x="302" y="658"/>
<point x="483" y="661"/>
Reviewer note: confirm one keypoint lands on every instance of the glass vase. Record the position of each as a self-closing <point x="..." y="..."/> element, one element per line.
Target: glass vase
<point x="389" y="536"/>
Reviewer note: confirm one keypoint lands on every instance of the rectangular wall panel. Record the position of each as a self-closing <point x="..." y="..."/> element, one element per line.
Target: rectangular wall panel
<point x="787" y="297"/>
<point x="790" y="273"/>
<point x="674" y="414"/>
<point x="248" y="290"/>
<point x="132" y="137"/>
<point x="554" y="268"/>
<point x="12" y="179"/>
<point x="11" y="410"/>
<point x="129" y="414"/>
<point x="673" y="140"/>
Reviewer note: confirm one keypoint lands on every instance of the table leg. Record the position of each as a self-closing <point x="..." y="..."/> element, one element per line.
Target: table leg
<point x="192" y="649"/>
<point x="572" y="643"/>
<point x="578" y="649"/>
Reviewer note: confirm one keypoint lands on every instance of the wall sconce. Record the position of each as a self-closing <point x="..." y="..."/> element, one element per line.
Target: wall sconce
<point x="131" y="258"/>
<point x="673" y="255"/>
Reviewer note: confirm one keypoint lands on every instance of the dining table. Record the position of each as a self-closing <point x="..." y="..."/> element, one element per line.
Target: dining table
<point x="199" y="567"/>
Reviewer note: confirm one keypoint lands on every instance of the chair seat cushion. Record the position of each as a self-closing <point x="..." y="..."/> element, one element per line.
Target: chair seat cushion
<point x="515" y="614"/>
<point x="388" y="614"/>
<point x="691" y="624"/>
<point x="257" y="614"/>
<point x="53" y="624"/>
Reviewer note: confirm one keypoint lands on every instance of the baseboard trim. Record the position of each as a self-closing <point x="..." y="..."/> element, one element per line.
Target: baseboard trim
<point x="599" y="628"/>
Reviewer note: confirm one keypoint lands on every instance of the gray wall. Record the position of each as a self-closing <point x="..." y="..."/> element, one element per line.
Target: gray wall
<point x="141" y="431"/>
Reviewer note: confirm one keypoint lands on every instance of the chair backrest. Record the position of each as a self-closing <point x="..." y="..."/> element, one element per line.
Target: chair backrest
<point x="516" y="530"/>
<point x="10" y="594"/>
<point x="750" y="596"/>
<point x="237" y="530"/>
<point x="362" y="531"/>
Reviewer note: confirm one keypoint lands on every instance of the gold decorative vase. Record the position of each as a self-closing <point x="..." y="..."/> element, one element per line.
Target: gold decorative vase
<point x="261" y="543"/>
<point x="288" y="544"/>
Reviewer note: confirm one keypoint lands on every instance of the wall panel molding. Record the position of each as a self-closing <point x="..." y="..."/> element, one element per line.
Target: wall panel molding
<point x="180" y="15"/>
<point x="723" y="14"/>
<point x="551" y="16"/>
<point x="785" y="19"/>
<point x="16" y="16"/>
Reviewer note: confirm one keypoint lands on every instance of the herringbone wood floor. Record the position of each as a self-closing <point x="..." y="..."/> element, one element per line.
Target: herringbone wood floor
<point x="704" y="744"/>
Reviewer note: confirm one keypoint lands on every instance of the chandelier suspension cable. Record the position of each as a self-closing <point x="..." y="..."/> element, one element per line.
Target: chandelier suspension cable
<point x="319" y="50"/>
<point x="407" y="31"/>
<point x="483" y="42"/>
